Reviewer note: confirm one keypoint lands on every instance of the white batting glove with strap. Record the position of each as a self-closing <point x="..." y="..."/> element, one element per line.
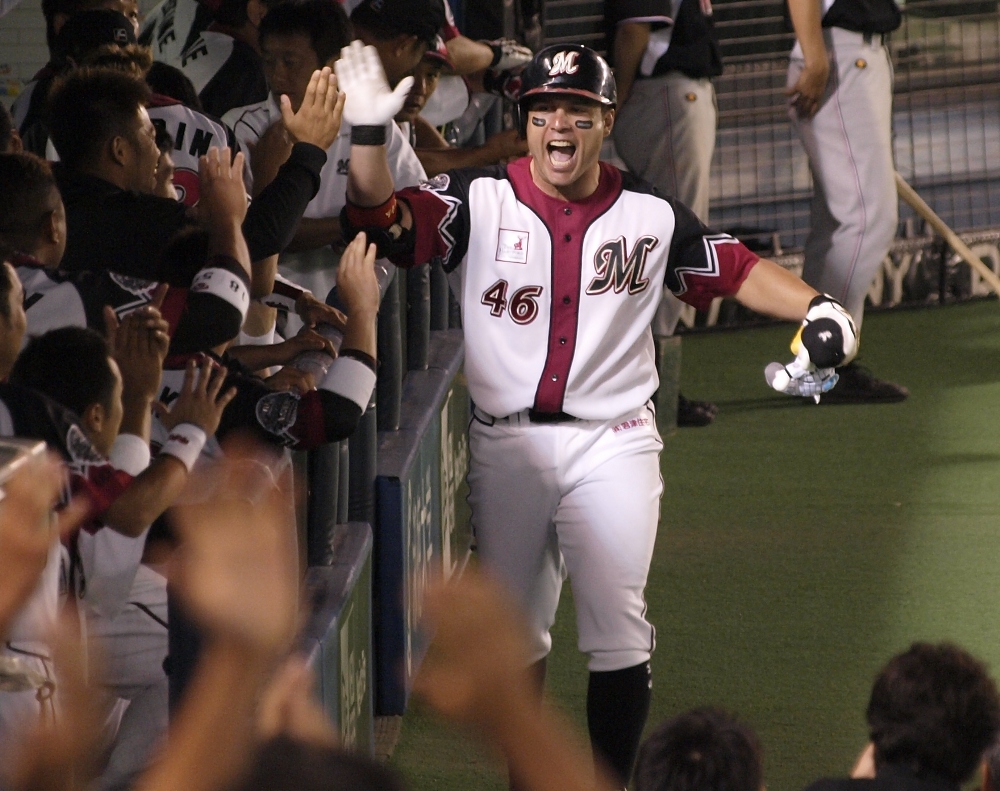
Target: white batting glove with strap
<point x="508" y="54"/>
<point x="827" y="338"/>
<point x="370" y="101"/>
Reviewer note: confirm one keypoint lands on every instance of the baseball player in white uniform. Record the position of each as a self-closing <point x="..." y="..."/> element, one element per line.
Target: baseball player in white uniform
<point x="559" y="262"/>
<point x="840" y="85"/>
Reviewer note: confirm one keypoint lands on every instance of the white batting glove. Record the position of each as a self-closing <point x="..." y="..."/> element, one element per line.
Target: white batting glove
<point x="370" y="101"/>
<point x="508" y="54"/>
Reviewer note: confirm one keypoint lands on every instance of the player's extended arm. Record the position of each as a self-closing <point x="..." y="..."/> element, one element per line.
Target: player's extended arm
<point x="315" y="232"/>
<point x="806" y="94"/>
<point x="774" y="291"/>
<point x="369" y="106"/>
<point x="631" y="39"/>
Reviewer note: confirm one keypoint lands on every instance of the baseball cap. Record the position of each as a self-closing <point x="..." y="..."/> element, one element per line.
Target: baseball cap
<point x="88" y="30"/>
<point x="420" y="18"/>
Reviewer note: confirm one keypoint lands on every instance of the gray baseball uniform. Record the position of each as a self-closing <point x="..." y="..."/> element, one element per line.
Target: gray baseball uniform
<point x="849" y="145"/>
<point x="665" y="131"/>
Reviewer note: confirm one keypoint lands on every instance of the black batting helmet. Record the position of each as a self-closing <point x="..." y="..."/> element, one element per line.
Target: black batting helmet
<point x="566" y="68"/>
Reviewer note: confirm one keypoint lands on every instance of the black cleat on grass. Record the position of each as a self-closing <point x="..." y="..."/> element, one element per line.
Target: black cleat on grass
<point x="857" y="385"/>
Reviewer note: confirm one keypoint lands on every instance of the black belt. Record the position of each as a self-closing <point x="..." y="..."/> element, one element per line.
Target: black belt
<point x="529" y="415"/>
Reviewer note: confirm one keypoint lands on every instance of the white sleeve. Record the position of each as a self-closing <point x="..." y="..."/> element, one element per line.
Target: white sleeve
<point x="129" y="453"/>
<point x="403" y="163"/>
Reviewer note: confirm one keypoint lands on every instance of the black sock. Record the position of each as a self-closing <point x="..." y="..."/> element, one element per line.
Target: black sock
<point x="617" y="707"/>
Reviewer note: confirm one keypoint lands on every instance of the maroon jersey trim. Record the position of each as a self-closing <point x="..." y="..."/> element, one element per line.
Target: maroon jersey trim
<point x="567" y="223"/>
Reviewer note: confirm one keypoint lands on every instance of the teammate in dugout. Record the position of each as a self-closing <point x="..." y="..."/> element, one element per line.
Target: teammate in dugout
<point x="559" y="262"/>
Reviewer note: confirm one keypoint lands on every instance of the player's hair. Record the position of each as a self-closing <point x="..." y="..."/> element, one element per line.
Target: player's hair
<point x="705" y="749"/>
<point x="936" y="708"/>
<point x="88" y="108"/>
<point x="234" y="12"/>
<point x="170" y="81"/>
<point x="386" y="19"/>
<point x="26" y="187"/>
<point x="323" y="21"/>
<point x="6" y="128"/>
<point x="134" y="59"/>
<point x="69" y="365"/>
<point x="283" y="764"/>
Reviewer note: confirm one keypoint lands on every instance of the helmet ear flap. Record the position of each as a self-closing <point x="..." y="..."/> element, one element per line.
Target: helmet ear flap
<point x="521" y="120"/>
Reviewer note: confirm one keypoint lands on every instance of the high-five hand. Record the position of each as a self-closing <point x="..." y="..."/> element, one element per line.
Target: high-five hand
<point x="370" y="100"/>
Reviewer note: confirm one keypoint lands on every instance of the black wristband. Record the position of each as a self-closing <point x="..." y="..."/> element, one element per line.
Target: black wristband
<point x="367" y="135"/>
<point x="497" y="52"/>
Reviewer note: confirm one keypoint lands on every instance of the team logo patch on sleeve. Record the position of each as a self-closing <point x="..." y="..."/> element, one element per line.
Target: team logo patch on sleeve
<point x="512" y="246"/>
<point x="82" y="453"/>
<point x="439" y="183"/>
<point x="277" y="413"/>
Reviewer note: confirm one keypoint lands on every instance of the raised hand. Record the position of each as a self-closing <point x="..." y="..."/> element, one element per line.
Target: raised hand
<point x="357" y="285"/>
<point x="237" y="565"/>
<point x="201" y="401"/>
<point x="478" y="658"/>
<point x="223" y="194"/>
<point x="318" y="119"/>
<point x="28" y="529"/>
<point x="139" y="345"/>
<point x="370" y="100"/>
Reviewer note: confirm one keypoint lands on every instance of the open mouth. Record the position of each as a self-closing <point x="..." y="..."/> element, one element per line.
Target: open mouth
<point x="561" y="152"/>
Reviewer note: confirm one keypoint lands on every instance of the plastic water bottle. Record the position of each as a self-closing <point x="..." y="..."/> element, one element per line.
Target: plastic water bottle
<point x="318" y="363"/>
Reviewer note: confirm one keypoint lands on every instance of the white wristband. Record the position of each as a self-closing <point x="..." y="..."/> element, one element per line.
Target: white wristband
<point x="351" y="379"/>
<point x="185" y="443"/>
<point x="223" y="284"/>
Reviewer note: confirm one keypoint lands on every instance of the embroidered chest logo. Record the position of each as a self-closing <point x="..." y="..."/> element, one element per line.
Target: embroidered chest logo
<point x="343" y="166"/>
<point x="512" y="246"/>
<point x="564" y="63"/>
<point x="618" y="269"/>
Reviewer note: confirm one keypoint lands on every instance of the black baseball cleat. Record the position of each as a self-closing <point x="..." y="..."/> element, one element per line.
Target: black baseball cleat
<point x="857" y="385"/>
<point x="694" y="414"/>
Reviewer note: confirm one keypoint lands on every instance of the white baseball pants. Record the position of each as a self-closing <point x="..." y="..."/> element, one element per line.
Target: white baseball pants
<point x="581" y="498"/>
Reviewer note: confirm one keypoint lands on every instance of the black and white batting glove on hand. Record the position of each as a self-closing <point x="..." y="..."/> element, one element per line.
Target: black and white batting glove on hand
<point x="508" y="55"/>
<point x="827" y="338"/>
<point x="370" y="101"/>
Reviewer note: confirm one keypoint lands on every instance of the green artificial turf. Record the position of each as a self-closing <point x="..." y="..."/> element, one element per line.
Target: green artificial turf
<point x="801" y="546"/>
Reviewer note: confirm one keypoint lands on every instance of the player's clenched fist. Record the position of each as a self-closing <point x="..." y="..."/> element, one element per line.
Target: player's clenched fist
<point x="370" y="101"/>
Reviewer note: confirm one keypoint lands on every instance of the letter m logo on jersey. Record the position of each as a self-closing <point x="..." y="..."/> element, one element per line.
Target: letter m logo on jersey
<point x="564" y="63"/>
<point x="618" y="269"/>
